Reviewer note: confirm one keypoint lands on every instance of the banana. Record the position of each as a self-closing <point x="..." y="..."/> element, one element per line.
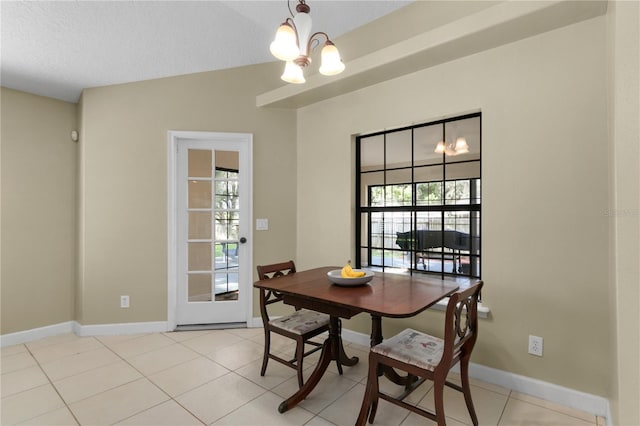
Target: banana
<point x="348" y="272"/>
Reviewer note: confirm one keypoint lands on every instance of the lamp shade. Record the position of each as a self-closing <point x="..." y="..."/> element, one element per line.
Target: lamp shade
<point x="331" y="62"/>
<point x="293" y="73"/>
<point x="285" y="45"/>
<point x="440" y="148"/>
<point x="461" y="146"/>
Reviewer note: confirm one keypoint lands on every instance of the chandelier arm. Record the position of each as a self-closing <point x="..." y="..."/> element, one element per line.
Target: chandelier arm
<point x="289" y="6"/>
<point x="315" y="37"/>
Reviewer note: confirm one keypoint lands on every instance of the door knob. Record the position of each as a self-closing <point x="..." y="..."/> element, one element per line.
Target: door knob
<point x="243" y="240"/>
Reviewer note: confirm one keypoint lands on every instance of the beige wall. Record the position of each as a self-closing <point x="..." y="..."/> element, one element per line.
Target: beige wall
<point x="544" y="170"/>
<point x="123" y="201"/>
<point x="38" y="211"/>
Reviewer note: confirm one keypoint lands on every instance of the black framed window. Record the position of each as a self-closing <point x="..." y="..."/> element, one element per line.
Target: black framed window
<point x="418" y="209"/>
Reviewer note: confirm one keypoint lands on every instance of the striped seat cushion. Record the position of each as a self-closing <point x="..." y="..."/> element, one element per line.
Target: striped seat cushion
<point x="301" y="321"/>
<point x="414" y="348"/>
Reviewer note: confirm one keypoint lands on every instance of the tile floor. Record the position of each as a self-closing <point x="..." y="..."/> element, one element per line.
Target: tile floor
<point x="213" y="377"/>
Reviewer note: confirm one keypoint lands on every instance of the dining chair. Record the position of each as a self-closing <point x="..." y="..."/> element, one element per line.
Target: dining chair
<point x="425" y="357"/>
<point x="301" y="325"/>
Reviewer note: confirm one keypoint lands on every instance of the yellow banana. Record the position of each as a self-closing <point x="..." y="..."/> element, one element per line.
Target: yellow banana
<point x="348" y="272"/>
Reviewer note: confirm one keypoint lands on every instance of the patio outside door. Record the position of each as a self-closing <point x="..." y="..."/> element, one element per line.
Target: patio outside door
<point x="212" y="209"/>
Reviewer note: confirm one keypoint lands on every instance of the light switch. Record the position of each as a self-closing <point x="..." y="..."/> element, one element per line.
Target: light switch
<point x="262" y="224"/>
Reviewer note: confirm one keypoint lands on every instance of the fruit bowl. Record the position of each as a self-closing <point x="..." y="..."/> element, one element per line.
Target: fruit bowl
<point x="335" y="277"/>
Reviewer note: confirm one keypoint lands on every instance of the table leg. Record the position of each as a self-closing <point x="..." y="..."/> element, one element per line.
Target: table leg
<point x="342" y="356"/>
<point x="332" y="349"/>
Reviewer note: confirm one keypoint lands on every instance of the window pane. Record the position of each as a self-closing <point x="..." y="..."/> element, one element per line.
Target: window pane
<point x="199" y="194"/>
<point x="199" y="256"/>
<point x="368" y="182"/>
<point x="429" y="193"/>
<point x="463" y="170"/>
<point x="227" y="194"/>
<point x="199" y="225"/>
<point x="457" y="192"/>
<point x="228" y="160"/>
<point x="397" y="195"/>
<point x="226" y="286"/>
<point x="199" y="163"/>
<point x="372" y="153"/>
<point x="199" y="288"/>
<point x="428" y="173"/>
<point x="398" y="149"/>
<point x="467" y="130"/>
<point x="227" y="226"/>
<point x="425" y="140"/>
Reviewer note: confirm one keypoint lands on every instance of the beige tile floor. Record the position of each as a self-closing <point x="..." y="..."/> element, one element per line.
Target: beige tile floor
<point x="213" y="377"/>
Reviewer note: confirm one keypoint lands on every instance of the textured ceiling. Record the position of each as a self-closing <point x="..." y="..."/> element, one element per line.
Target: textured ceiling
<point x="58" y="48"/>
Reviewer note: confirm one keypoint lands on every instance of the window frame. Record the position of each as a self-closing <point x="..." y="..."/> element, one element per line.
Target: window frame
<point x="474" y="204"/>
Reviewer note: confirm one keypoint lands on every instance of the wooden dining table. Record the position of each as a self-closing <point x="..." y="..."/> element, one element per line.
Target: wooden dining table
<point x="386" y="295"/>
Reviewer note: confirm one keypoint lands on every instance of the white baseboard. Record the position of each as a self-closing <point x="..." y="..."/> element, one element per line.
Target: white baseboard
<point x="120" y="329"/>
<point x="36" y="333"/>
<point x="593" y="404"/>
<point x="82" y="330"/>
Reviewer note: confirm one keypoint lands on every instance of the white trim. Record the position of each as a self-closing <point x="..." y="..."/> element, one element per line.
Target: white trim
<point x="120" y="329"/>
<point x="596" y="405"/>
<point x="36" y="333"/>
<point x="483" y="311"/>
<point x="593" y="404"/>
<point x="172" y="257"/>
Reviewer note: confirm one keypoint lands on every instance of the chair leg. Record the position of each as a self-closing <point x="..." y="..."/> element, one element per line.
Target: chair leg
<point x="373" y="375"/>
<point x="299" y="361"/>
<point x="466" y="389"/>
<point x="366" y="400"/>
<point x="438" y="400"/>
<point x="364" y="408"/>
<point x="265" y="357"/>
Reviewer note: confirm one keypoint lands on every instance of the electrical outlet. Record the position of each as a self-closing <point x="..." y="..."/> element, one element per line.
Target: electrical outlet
<point x="535" y="345"/>
<point x="124" y="301"/>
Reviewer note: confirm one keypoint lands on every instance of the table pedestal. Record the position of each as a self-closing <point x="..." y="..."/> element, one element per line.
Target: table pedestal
<point x="332" y="349"/>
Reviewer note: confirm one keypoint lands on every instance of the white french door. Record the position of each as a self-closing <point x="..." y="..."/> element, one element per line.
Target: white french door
<point x="212" y="218"/>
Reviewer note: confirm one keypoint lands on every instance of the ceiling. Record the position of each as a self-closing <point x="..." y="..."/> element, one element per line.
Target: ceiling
<point x="58" y="48"/>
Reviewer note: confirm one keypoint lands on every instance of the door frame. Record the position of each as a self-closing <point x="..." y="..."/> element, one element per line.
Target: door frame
<point x="173" y="139"/>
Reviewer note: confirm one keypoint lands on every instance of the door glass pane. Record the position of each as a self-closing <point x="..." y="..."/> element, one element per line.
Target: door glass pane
<point x="199" y="163"/>
<point x="199" y="194"/>
<point x="226" y="286"/>
<point x="199" y="225"/>
<point x="227" y="194"/>
<point x="227" y="160"/>
<point x="199" y="256"/>
<point x="199" y="288"/>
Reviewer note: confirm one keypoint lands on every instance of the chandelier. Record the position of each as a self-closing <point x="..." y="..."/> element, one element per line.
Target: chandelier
<point x="294" y="42"/>
<point x="459" y="147"/>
